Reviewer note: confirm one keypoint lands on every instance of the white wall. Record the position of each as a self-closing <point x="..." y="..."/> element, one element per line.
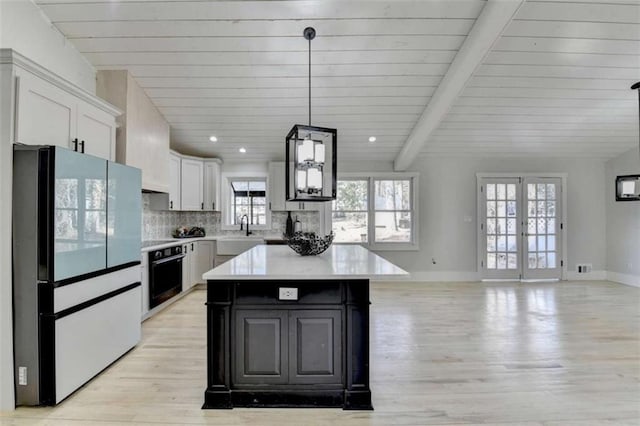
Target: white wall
<point x="24" y="28"/>
<point x="623" y="223"/>
<point x="448" y="194"/>
<point x="6" y="171"/>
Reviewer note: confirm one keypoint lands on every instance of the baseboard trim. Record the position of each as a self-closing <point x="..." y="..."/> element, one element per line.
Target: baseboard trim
<point x="470" y="276"/>
<point x="587" y="276"/>
<point x="626" y="279"/>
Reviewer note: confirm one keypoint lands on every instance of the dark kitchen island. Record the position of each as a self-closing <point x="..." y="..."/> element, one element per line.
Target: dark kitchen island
<point x="285" y="330"/>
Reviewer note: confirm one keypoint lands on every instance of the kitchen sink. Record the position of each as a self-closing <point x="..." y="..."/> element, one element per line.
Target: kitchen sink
<point x="231" y="246"/>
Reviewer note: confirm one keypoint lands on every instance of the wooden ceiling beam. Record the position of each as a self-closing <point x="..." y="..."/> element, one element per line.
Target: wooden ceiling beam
<point x="488" y="28"/>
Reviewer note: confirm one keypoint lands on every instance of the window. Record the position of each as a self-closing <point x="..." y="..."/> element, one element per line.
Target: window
<point x="393" y="210"/>
<point x="378" y="211"/>
<point x="350" y="212"/>
<point x="248" y="198"/>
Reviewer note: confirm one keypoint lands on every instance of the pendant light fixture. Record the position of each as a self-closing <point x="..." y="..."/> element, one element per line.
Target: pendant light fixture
<point x="310" y="155"/>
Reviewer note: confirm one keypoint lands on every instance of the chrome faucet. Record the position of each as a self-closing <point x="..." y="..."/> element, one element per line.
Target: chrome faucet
<point x="241" y="219"/>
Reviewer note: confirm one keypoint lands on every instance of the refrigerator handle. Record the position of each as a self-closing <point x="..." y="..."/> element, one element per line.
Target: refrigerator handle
<point x="75" y="144"/>
<point x="82" y="146"/>
<point x="46" y="246"/>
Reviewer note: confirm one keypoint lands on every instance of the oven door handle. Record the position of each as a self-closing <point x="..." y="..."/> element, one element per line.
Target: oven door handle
<point x="167" y="259"/>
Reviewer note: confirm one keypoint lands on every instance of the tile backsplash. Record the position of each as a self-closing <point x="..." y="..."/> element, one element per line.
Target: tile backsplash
<point x="158" y="225"/>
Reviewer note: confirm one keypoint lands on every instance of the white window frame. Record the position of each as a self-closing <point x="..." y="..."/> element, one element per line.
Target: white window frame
<point x="226" y="178"/>
<point x="413" y="245"/>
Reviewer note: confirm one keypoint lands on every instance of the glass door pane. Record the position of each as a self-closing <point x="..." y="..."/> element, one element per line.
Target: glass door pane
<point x="542" y="221"/>
<point x="501" y="230"/>
<point x="80" y="216"/>
<point x="124" y="206"/>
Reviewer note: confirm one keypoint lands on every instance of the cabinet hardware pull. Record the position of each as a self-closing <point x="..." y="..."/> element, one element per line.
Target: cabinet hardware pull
<point x="201" y="206"/>
<point x="170" y="204"/>
<point x="82" y="146"/>
<point x="191" y="246"/>
<point x="75" y="144"/>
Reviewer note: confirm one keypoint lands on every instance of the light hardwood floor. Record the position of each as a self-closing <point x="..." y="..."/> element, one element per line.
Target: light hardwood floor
<point x="442" y="353"/>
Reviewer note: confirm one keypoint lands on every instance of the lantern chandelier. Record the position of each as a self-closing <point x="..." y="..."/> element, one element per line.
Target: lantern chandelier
<point x="310" y="155"/>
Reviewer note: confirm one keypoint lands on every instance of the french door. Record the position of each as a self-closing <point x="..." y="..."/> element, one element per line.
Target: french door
<point x="520" y="228"/>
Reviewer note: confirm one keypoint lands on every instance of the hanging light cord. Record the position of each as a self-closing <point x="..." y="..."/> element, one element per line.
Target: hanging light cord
<point x="309" y="81"/>
<point x="637" y="87"/>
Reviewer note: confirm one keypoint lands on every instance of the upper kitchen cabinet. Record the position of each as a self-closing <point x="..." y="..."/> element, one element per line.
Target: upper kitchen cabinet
<point x="51" y="111"/>
<point x="191" y="184"/>
<point x="194" y="183"/>
<point x="174" y="181"/>
<point x="143" y="133"/>
<point x="211" y="184"/>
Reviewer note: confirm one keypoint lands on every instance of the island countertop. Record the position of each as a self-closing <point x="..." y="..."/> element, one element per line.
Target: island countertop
<point x="281" y="262"/>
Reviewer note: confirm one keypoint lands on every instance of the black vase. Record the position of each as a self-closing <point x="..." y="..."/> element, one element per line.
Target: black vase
<point x="289" y="227"/>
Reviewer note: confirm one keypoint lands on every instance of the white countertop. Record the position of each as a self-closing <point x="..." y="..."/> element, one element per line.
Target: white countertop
<point x="281" y="262"/>
<point x="177" y="241"/>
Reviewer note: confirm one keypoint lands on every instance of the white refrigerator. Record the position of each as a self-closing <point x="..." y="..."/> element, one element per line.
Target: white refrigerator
<point x="76" y="269"/>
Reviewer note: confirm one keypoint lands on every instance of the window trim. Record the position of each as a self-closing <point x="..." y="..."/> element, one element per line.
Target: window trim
<point x="414" y="177"/>
<point x="226" y="179"/>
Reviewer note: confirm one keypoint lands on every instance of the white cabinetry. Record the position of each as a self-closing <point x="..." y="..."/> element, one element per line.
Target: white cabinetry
<point x="198" y="259"/>
<point x="211" y="185"/>
<point x="194" y="183"/>
<point x="277" y="191"/>
<point x="191" y="184"/>
<point x="187" y="265"/>
<point x="174" y="181"/>
<point x="96" y="131"/>
<point x="51" y="111"/>
<point x="204" y="255"/>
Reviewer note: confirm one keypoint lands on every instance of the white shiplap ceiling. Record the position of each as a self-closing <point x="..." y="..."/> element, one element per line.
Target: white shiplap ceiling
<point x="555" y="83"/>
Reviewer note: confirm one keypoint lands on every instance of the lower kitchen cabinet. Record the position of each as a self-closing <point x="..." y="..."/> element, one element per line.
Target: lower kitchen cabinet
<point x="203" y="260"/>
<point x="288" y="347"/>
<point x="198" y="259"/>
<point x="315" y="346"/>
<point x="187" y="265"/>
<point x="261" y="338"/>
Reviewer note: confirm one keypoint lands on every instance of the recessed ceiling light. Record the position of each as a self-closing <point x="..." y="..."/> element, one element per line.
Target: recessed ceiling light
<point x="213" y="139"/>
<point x="242" y="150"/>
<point x="372" y="138"/>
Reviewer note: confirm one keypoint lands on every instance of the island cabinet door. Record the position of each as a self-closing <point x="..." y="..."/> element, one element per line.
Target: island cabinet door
<point x="261" y="355"/>
<point x="315" y="346"/>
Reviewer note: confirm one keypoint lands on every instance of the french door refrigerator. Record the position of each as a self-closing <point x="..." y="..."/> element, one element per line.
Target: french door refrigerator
<point x="76" y="273"/>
